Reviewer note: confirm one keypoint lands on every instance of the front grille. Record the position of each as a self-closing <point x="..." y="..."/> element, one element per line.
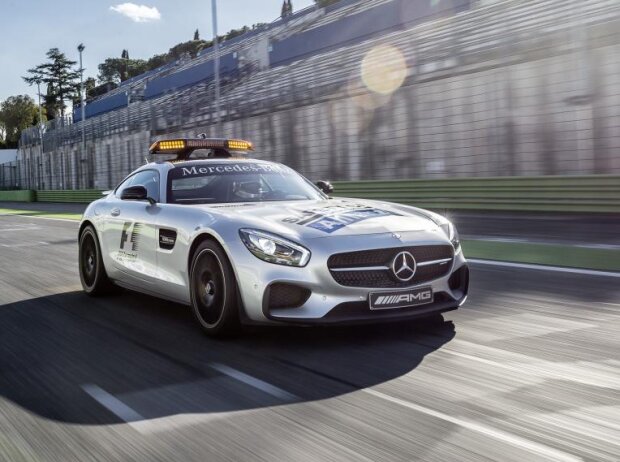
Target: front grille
<point x="383" y="278"/>
<point x="379" y="257"/>
<point x="287" y="296"/>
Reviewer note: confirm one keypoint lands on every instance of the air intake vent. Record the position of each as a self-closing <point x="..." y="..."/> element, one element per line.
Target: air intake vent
<point x="287" y="296"/>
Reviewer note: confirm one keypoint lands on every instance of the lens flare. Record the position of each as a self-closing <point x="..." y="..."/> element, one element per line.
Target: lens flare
<point x="384" y="69"/>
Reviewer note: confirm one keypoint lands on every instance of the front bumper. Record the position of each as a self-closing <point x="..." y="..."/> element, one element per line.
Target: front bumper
<point x="332" y="303"/>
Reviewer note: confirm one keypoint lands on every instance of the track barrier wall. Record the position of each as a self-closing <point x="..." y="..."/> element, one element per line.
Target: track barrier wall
<point x="582" y="194"/>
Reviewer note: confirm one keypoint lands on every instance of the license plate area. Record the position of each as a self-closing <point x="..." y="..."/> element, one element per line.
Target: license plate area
<point x="389" y="300"/>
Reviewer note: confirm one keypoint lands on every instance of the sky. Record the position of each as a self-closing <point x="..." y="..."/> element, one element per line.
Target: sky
<point x="145" y="27"/>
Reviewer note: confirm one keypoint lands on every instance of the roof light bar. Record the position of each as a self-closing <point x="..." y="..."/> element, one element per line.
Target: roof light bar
<point x="184" y="147"/>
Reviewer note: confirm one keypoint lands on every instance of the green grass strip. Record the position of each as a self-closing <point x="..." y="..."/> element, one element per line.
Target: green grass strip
<point x="544" y="254"/>
<point x="41" y="213"/>
<point x="518" y="252"/>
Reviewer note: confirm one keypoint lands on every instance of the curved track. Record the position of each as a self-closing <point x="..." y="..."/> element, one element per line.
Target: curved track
<point x="527" y="370"/>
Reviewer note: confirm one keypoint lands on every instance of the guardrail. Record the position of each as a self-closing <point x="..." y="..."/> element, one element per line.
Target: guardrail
<point x="595" y="193"/>
<point x="79" y="196"/>
<point x="17" y="196"/>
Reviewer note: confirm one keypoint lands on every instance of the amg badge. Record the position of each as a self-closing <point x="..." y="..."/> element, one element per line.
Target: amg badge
<point x="400" y="299"/>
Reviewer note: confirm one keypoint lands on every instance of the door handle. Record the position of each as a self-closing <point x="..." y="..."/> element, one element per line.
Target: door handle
<point x="115" y="212"/>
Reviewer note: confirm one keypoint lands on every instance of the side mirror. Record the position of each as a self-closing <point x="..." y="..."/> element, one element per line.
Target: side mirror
<point x="136" y="193"/>
<point x="325" y="186"/>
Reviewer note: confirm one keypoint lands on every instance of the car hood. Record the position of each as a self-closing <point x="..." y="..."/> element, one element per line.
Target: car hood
<point x="325" y="218"/>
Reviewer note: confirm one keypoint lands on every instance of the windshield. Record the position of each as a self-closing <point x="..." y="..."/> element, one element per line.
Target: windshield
<point x="243" y="181"/>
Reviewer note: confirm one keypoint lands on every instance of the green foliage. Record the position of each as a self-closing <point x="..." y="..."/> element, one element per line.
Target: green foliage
<point x="90" y="84"/>
<point x="231" y="34"/>
<point x="50" y="102"/>
<point x="100" y="90"/>
<point x="16" y="114"/>
<point x="287" y="8"/>
<point x="157" y="61"/>
<point x="190" y="48"/>
<point x="61" y="78"/>
<point x="116" y="70"/>
<point x="2" y="135"/>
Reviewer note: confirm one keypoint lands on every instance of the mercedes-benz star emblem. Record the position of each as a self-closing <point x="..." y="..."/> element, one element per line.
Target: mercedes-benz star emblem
<point x="403" y="266"/>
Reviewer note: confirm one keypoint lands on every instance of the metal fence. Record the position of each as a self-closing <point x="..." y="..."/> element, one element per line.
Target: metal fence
<point x="9" y="176"/>
<point x="516" y="87"/>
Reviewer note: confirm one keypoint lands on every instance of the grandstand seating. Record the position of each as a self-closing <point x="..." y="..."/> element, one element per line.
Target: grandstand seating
<point x="183" y="89"/>
<point x="357" y="22"/>
<point x="189" y="76"/>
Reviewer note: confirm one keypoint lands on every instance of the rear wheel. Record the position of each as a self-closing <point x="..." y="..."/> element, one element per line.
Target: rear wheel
<point x="213" y="290"/>
<point x="92" y="272"/>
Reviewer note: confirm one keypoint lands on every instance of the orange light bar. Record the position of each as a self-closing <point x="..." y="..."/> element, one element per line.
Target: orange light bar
<point x="239" y="145"/>
<point x="171" y="145"/>
<point x="168" y="146"/>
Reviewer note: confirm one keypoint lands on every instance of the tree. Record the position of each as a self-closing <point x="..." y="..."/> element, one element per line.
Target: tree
<point x="115" y="70"/>
<point x="196" y="35"/>
<point x="50" y="102"/>
<point x="157" y="61"/>
<point x="2" y="135"/>
<point x="60" y="77"/>
<point x="287" y="8"/>
<point x="89" y="86"/>
<point x="16" y="114"/>
<point x="192" y="47"/>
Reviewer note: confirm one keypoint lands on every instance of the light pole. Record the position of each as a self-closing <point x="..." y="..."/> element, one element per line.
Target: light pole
<point x="216" y="51"/>
<point x="40" y="113"/>
<point x="81" y="49"/>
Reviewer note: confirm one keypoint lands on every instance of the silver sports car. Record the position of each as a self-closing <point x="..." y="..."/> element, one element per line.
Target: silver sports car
<point x="242" y="240"/>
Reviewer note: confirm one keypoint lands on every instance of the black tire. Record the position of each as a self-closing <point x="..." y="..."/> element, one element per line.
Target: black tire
<point x="93" y="276"/>
<point x="213" y="290"/>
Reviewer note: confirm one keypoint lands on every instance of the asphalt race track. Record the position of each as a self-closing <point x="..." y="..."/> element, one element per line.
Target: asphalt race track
<point x="528" y="370"/>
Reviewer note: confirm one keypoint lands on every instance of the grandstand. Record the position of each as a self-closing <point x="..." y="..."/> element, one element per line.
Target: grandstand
<point x="489" y="91"/>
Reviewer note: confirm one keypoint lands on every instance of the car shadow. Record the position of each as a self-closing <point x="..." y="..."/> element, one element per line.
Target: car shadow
<point x="64" y="356"/>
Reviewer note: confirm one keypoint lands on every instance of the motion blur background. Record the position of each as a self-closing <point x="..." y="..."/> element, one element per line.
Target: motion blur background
<point x="367" y="90"/>
<point x="502" y="114"/>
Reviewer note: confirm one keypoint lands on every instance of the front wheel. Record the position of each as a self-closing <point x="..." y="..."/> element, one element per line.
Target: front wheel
<point x="92" y="272"/>
<point x="213" y="290"/>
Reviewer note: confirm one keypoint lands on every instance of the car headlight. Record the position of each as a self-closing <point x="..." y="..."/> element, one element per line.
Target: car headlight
<point x="274" y="249"/>
<point x="450" y="230"/>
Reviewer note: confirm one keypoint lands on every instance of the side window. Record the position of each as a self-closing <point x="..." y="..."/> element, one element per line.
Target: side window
<point x="147" y="178"/>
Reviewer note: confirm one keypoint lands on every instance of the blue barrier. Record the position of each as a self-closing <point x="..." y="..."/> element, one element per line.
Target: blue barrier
<point x="357" y="27"/>
<point x="101" y="106"/>
<point x="189" y="76"/>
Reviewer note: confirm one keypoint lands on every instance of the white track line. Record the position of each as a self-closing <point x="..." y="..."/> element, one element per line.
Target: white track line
<point x="514" y="440"/>
<point x="254" y="382"/>
<point x="583" y="245"/>
<point x="39" y="218"/>
<point x="28" y="244"/>
<point x="146" y="426"/>
<point x="558" y="269"/>
<point x="112" y="403"/>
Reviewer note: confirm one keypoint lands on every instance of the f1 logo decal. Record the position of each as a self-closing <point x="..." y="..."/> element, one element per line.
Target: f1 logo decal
<point x="131" y="233"/>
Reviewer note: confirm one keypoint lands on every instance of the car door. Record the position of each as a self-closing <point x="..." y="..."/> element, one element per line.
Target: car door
<point x="130" y="232"/>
